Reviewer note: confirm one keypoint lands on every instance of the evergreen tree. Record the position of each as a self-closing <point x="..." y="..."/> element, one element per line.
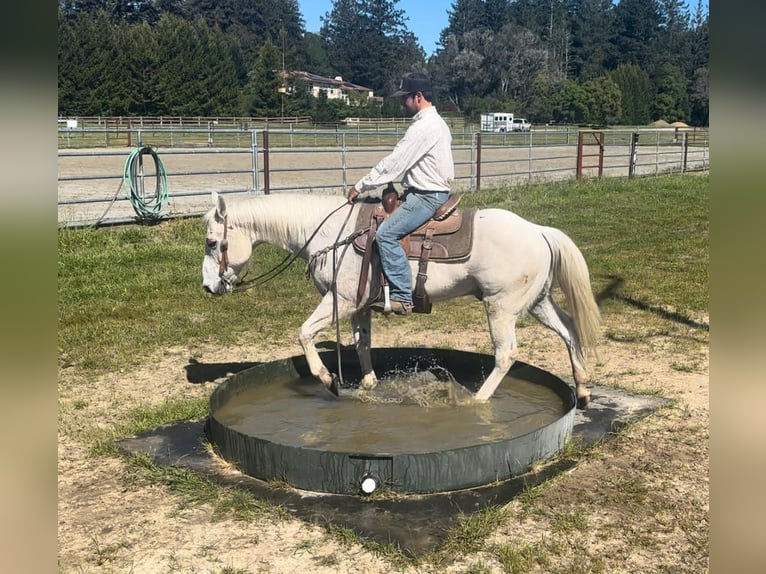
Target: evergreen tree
<point x="252" y="21"/>
<point x="604" y="101"/>
<point x="368" y="43"/>
<point x="637" y="25"/>
<point x="592" y="26"/>
<point x="100" y="77"/>
<point x="265" y="81"/>
<point x="140" y="64"/>
<point x="572" y="103"/>
<point x="313" y="57"/>
<point x="699" y="98"/>
<point x="635" y="94"/>
<point x="468" y="15"/>
<point x="675" y="42"/>
<point x="131" y="11"/>
<point x="671" y="103"/>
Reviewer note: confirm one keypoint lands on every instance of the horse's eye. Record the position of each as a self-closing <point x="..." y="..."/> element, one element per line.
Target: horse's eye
<point x="211" y="243"/>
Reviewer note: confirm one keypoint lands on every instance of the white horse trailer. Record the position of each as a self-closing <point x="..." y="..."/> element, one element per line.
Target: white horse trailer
<point x="497" y="122"/>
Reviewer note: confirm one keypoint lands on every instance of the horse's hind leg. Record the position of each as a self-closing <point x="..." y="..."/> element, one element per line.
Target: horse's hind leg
<point x="361" y="324"/>
<point x="502" y="329"/>
<point x="550" y="315"/>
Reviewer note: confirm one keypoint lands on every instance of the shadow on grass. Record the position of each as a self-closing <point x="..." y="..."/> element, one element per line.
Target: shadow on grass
<point x="611" y="291"/>
<point x="198" y="373"/>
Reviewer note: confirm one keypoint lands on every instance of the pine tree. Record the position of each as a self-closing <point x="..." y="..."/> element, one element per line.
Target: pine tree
<point x="265" y="82"/>
<point x="368" y="43"/>
<point x="635" y="94"/>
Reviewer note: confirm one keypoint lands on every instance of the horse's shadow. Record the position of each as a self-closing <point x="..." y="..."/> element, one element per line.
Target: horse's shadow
<point x="612" y="291"/>
<point x="199" y="373"/>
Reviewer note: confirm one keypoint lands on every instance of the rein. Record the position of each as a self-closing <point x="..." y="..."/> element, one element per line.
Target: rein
<point x="279" y="267"/>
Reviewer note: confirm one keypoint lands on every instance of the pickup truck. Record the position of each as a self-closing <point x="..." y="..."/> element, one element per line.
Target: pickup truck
<point x="520" y="125"/>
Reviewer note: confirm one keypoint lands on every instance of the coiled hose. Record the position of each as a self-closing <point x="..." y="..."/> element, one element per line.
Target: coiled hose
<point x="148" y="206"/>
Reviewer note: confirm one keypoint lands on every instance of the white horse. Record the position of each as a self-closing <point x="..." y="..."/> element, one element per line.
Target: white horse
<point x="511" y="269"/>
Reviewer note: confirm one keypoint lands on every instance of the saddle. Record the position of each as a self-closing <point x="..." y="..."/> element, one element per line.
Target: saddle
<point x="445" y="237"/>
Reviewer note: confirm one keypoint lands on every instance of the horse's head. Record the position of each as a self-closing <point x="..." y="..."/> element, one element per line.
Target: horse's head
<point x="227" y="250"/>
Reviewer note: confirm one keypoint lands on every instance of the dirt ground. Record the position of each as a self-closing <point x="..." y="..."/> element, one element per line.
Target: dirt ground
<point x="639" y="503"/>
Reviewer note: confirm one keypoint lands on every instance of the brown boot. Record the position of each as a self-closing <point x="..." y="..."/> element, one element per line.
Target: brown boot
<point x="397" y="307"/>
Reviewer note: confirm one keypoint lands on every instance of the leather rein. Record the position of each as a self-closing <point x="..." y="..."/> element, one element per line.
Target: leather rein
<point x="279" y="268"/>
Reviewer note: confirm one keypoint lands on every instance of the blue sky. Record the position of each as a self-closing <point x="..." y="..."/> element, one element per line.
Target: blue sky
<point x="425" y="18"/>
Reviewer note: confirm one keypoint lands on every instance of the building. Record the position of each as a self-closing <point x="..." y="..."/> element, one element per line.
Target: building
<point x="334" y="88"/>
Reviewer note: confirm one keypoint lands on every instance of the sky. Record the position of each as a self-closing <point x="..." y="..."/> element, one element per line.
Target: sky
<point x="425" y="18"/>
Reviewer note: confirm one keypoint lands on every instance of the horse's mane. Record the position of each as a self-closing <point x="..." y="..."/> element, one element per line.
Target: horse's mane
<point x="280" y="216"/>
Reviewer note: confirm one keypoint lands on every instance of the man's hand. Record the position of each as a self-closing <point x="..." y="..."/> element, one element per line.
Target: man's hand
<point x="352" y="195"/>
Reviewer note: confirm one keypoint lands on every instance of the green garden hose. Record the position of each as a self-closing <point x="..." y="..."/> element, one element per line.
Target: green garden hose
<point x="148" y="206"/>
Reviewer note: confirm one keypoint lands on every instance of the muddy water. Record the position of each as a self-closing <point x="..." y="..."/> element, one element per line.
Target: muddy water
<point x="392" y="419"/>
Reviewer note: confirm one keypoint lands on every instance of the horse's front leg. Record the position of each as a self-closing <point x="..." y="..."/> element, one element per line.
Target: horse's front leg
<point x="361" y="323"/>
<point x="319" y="320"/>
<point x="502" y="328"/>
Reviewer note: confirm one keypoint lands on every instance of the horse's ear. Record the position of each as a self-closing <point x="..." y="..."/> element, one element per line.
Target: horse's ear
<point x="219" y="203"/>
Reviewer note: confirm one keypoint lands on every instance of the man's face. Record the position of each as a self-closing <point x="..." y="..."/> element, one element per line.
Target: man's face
<point x="411" y="103"/>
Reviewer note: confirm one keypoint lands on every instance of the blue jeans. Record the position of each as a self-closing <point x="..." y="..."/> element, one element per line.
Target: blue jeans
<point x="417" y="207"/>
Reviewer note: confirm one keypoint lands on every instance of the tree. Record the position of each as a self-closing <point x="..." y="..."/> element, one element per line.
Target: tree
<point x="368" y="43"/>
<point x="313" y="57"/>
<point x="700" y="98"/>
<point x="674" y="43"/>
<point x="592" y="29"/>
<point x="469" y="15"/>
<point x="265" y="81"/>
<point x="671" y="102"/>
<point x="637" y="25"/>
<point x="604" y="101"/>
<point x="572" y="103"/>
<point x="252" y="21"/>
<point x="131" y="11"/>
<point x="635" y="94"/>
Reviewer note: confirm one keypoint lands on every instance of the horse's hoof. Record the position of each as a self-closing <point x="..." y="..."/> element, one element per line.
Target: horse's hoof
<point x="333" y="386"/>
<point x="368" y="383"/>
<point x="582" y="402"/>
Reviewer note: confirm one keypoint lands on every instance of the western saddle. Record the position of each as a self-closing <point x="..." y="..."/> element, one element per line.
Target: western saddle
<point x="445" y="237"/>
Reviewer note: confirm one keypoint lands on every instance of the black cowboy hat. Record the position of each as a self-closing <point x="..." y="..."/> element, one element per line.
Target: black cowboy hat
<point x="411" y="83"/>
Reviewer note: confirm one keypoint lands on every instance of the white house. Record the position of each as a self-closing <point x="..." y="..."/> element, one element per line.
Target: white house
<point x="334" y="88"/>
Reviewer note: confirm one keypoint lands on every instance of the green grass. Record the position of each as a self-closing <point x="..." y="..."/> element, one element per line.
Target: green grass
<point x="126" y="292"/>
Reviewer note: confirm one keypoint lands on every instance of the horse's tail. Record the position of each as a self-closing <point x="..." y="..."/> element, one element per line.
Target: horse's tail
<point x="571" y="273"/>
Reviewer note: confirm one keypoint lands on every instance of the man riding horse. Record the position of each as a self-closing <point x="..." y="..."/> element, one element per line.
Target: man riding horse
<point x="423" y="161"/>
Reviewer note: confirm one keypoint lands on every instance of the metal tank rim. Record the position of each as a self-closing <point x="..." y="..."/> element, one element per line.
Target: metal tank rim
<point x="336" y="472"/>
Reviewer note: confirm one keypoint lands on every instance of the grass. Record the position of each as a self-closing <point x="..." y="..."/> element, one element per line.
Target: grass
<point x="126" y="292"/>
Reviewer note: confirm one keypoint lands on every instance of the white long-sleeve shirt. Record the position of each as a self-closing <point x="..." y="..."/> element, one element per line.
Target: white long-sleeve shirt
<point x="422" y="159"/>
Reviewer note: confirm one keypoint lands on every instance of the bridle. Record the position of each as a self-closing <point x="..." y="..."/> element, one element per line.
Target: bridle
<point x="224" y="248"/>
<point x="226" y="276"/>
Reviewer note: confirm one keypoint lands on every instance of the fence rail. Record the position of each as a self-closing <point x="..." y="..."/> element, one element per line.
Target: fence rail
<point x="239" y="161"/>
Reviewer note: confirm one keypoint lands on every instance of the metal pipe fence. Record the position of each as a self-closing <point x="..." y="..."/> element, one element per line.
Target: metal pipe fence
<point x="91" y="174"/>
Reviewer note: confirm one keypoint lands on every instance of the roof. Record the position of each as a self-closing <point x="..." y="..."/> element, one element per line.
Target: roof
<point x="337" y="82"/>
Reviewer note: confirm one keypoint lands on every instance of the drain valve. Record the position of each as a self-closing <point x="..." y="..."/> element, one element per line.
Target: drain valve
<point x="368" y="484"/>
